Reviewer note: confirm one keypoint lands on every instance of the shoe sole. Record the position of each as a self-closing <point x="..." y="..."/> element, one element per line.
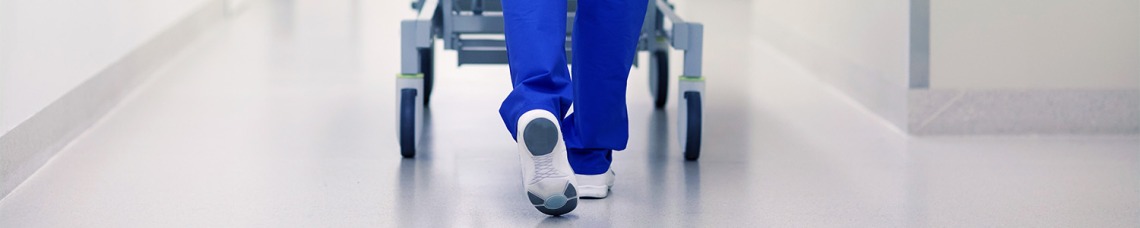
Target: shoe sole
<point x="541" y="138"/>
<point x="593" y="192"/>
<point x="557" y="204"/>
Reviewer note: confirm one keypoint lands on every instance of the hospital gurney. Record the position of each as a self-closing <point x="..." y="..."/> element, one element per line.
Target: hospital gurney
<point x="463" y="26"/>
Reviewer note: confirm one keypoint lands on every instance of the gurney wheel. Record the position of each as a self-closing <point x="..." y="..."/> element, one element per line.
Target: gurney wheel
<point x="693" y="126"/>
<point x="427" y="66"/>
<point x="408" y="123"/>
<point x="659" y="78"/>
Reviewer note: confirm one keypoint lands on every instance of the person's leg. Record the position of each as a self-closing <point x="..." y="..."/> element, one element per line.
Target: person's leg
<point x="605" y="42"/>
<point x="536" y="48"/>
<point x="536" y="35"/>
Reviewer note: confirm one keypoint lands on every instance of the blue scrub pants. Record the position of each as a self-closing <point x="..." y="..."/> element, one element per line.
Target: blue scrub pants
<point x="604" y="43"/>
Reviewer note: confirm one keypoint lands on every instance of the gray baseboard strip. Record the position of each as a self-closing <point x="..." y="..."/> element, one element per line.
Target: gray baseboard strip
<point x="1008" y="111"/>
<point x="28" y="146"/>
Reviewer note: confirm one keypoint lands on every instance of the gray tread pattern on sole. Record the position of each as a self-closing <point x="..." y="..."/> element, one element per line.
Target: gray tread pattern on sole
<point x="541" y="135"/>
<point x="570" y="195"/>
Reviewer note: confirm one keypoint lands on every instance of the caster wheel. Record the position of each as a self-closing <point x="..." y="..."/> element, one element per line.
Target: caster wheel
<point x="693" y="126"/>
<point x="427" y="65"/>
<point x="408" y="123"/>
<point x="659" y="78"/>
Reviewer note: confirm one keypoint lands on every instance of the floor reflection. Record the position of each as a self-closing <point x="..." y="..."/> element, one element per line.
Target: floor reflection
<point x="406" y="197"/>
<point x="657" y="144"/>
<point x="692" y="191"/>
<point x="566" y="220"/>
<point x="416" y="177"/>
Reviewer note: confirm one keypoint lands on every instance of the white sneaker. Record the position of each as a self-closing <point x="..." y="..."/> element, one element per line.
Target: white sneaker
<point x="595" y="186"/>
<point x="547" y="176"/>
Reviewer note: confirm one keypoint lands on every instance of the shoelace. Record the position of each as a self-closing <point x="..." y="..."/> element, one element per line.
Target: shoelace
<point x="544" y="168"/>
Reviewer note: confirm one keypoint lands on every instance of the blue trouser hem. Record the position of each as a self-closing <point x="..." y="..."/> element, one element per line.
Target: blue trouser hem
<point x="590" y="161"/>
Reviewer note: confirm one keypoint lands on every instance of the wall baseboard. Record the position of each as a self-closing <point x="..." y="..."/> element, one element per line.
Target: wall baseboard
<point x="28" y="146"/>
<point x="1007" y="111"/>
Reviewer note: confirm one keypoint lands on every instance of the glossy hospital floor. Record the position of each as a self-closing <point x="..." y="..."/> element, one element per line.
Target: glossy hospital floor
<point x="284" y="118"/>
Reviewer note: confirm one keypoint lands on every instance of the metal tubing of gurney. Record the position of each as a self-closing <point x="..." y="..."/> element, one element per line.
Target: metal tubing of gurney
<point x="685" y="36"/>
<point x="416" y="34"/>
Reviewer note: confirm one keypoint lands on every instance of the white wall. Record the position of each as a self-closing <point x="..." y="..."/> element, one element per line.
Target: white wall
<point x="48" y="47"/>
<point x="860" y="47"/>
<point x="1035" y="44"/>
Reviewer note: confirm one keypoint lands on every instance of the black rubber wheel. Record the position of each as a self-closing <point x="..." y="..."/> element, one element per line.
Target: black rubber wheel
<point x="693" y="136"/>
<point x="660" y="61"/>
<point x="408" y="123"/>
<point x="427" y="65"/>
